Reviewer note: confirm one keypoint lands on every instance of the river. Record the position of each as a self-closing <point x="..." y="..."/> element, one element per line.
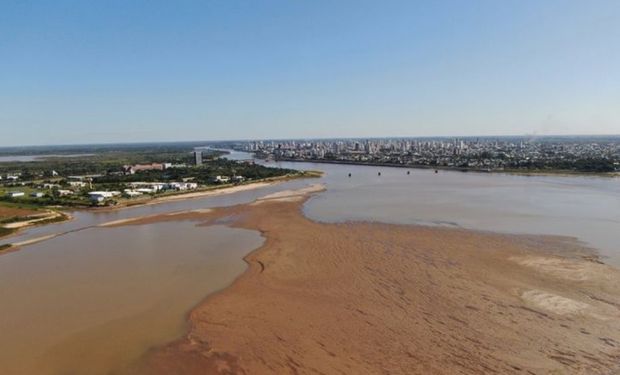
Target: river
<point x="95" y="299"/>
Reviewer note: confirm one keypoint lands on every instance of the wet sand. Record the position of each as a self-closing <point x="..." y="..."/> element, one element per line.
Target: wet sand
<point x="367" y="298"/>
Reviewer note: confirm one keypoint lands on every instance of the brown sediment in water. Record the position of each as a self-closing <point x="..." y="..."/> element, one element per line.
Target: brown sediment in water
<point x="367" y="298"/>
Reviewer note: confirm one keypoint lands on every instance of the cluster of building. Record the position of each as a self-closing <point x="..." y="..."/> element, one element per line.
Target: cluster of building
<point x="86" y="186"/>
<point x="471" y="153"/>
<point x="10" y="177"/>
<point x="132" y="169"/>
<point x="139" y="188"/>
<point x="73" y="185"/>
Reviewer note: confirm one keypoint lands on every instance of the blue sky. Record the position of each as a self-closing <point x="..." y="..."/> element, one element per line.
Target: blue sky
<point x="110" y="71"/>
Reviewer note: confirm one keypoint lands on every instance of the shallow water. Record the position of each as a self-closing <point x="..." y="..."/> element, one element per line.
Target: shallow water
<point x="12" y="158"/>
<point x="92" y="302"/>
<point x="587" y="208"/>
<point x="86" y="218"/>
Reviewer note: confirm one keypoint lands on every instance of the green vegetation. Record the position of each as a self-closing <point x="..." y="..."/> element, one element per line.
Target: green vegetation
<point x="203" y="175"/>
<point x="110" y="160"/>
<point x="588" y="165"/>
<point x="15" y="219"/>
<point x="104" y="170"/>
<point x="47" y="200"/>
<point x="6" y="231"/>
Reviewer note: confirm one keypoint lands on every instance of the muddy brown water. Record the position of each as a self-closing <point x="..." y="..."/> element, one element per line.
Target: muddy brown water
<point x="94" y="301"/>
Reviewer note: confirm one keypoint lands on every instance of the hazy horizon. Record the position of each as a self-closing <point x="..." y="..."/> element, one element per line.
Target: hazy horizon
<point x="207" y="141"/>
<point x="152" y="71"/>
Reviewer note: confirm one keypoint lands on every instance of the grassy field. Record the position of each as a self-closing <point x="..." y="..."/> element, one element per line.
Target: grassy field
<point x="15" y="209"/>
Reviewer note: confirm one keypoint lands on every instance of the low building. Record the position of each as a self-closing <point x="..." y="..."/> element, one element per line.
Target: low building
<point x="100" y="196"/>
<point x="182" y="186"/>
<point x="132" y="169"/>
<point x="15" y="194"/>
<point x="154" y="186"/>
<point x="63" y="193"/>
<point x="221" y="179"/>
<point x="37" y="194"/>
<point x="131" y="193"/>
<point x="146" y="190"/>
<point x="77" y="184"/>
<point x="88" y="177"/>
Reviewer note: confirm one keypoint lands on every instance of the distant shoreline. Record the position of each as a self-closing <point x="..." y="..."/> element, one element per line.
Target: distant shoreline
<point x="552" y="172"/>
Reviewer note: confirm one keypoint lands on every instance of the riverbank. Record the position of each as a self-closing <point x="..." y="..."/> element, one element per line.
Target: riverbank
<point x="219" y="190"/>
<point x="209" y="191"/>
<point x="375" y="298"/>
<point x="19" y="219"/>
<point x="460" y="169"/>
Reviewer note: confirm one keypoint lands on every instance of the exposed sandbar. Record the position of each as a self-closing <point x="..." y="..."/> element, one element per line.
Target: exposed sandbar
<point x="364" y="298"/>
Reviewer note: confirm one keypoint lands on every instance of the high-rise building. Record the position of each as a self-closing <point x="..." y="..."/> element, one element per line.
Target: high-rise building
<point x="198" y="157"/>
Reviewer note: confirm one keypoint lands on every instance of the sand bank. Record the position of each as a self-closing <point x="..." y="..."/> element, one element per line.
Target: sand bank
<point x="38" y="219"/>
<point x="209" y="192"/>
<point x="133" y="220"/>
<point x="364" y="298"/>
<point x="213" y="192"/>
<point x="48" y="215"/>
<point x="35" y="240"/>
<point x="290" y="195"/>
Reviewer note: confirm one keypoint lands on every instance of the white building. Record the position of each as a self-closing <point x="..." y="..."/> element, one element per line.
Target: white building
<point x="146" y="190"/>
<point x="182" y="186"/>
<point x="100" y="196"/>
<point x="15" y="194"/>
<point x="221" y="179"/>
<point x="131" y="193"/>
<point x="153" y="186"/>
<point x="78" y="184"/>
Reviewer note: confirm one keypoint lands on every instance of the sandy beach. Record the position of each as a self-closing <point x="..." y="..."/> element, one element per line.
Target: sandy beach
<point x="220" y="190"/>
<point x="376" y="298"/>
<point x="36" y="218"/>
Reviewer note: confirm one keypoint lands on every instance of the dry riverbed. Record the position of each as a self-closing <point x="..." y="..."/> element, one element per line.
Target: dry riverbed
<point x="376" y="298"/>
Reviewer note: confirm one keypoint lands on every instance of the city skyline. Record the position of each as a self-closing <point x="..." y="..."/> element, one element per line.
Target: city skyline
<point x="529" y="137"/>
<point x="149" y="72"/>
